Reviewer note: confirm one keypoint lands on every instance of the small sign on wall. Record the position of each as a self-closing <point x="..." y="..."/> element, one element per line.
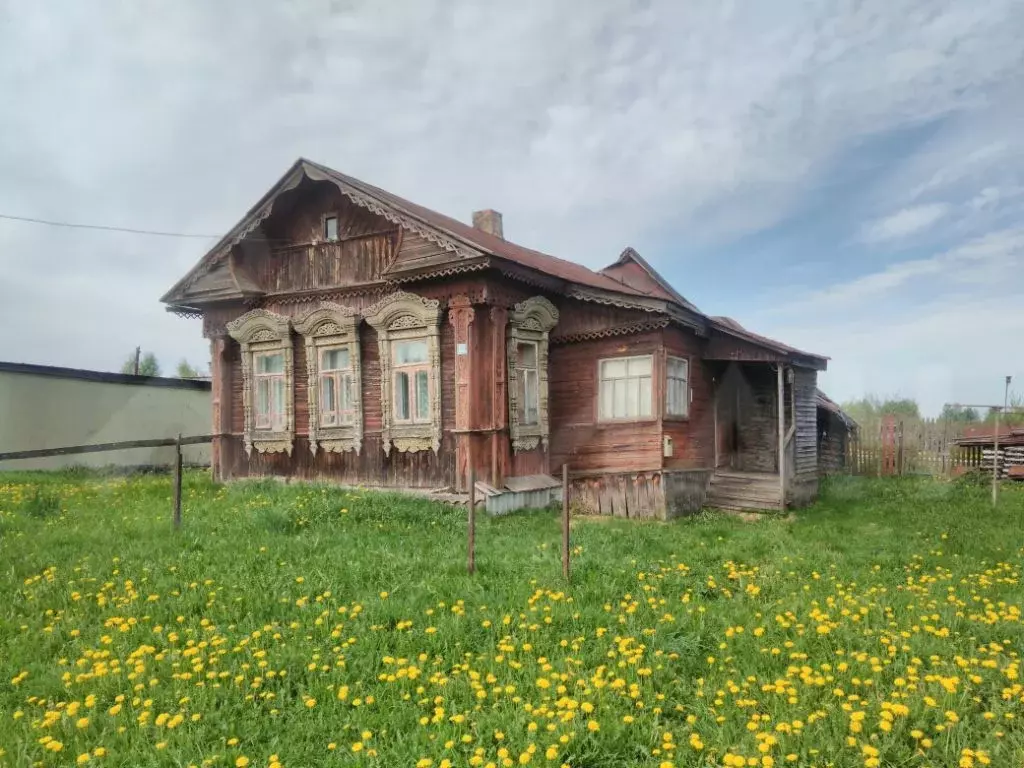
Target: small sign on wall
<point x="462" y="348"/>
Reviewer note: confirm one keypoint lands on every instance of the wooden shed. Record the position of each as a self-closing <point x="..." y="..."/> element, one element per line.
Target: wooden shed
<point x="359" y="337"/>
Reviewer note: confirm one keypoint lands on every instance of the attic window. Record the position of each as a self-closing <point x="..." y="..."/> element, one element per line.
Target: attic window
<point x="330" y="228"/>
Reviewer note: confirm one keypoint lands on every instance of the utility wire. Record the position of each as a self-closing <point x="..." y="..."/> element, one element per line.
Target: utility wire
<point x="101" y="226"/>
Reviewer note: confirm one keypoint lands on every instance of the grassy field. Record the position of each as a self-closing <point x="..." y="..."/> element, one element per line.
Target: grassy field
<point x="305" y="626"/>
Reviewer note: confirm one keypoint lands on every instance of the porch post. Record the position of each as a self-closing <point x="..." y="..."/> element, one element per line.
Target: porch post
<point x="781" y="400"/>
<point x="714" y="399"/>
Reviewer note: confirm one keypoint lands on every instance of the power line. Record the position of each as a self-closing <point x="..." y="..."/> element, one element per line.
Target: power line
<point x="103" y="227"/>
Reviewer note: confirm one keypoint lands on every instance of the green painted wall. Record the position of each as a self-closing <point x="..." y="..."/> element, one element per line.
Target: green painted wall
<point x="50" y="412"/>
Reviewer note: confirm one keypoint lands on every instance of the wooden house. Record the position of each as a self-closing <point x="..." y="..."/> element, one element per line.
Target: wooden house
<point x="362" y="338"/>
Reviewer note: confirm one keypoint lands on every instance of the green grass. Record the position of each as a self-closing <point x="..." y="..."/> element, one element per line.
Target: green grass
<point x="289" y="624"/>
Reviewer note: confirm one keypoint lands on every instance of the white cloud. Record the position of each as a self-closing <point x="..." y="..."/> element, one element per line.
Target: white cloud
<point x="903" y="223"/>
<point x="586" y="124"/>
<point x="941" y="329"/>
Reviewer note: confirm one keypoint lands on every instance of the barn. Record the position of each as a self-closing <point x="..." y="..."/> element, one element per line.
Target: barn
<point x="362" y="338"/>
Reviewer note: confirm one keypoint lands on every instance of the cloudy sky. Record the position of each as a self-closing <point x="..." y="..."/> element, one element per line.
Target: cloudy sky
<point x="846" y="176"/>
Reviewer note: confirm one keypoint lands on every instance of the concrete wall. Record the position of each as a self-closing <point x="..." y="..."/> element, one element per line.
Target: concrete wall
<point x="51" y="411"/>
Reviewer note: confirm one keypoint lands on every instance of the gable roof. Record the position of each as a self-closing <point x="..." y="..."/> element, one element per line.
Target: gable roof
<point x="644" y="278"/>
<point x="463" y="240"/>
<point x="630" y="281"/>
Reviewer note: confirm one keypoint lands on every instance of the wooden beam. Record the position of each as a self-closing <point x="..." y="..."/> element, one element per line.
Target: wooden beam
<point x="102" y="447"/>
<point x="565" y="521"/>
<point x="781" y="401"/>
<point x="177" y="482"/>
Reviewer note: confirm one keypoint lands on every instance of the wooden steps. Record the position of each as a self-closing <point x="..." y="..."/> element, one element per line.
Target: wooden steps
<point x="743" y="491"/>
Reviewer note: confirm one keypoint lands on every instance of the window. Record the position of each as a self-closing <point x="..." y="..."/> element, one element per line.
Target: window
<point x="625" y="388"/>
<point x="411" y="366"/>
<point x="269" y="378"/>
<point x="677" y="392"/>
<point x="529" y="383"/>
<point x="331" y="228"/>
<point x="337" y="387"/>
<point x="408" y="337"/>
<point x="529" y="325"/>
<point x="267" y="369"/>
<point x="333" y="369"/>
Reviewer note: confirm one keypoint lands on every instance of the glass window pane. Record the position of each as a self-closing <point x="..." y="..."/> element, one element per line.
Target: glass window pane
<point x="644" y="400"/>
<point x="402" y="396"/>
<point x="328" y="396"/>
<point x="331" y="228"/>
<point x="527" y="355"/>
<point x="270" y="363"/>
<point x="677" y="368"/>
<point x="407" y="352"/>
<point x="262" y="398"/>
<point x="422" y="396"/>
<point x="278" y="407"/>
<point x="619" y="407"/>
<point x="334" y="359"/>
<point x="606" y="407"/>
<point x="640" y="366"/>
<point x="613" y="369"/>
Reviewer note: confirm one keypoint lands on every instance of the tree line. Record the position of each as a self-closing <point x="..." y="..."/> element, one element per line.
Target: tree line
<point x="148" y="365"/>
<point x="872" y="408"/>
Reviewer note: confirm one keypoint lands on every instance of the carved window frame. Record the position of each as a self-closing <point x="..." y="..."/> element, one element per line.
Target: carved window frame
<point x="332" y="326"/>
<point x="261" y="331"/>
<point x="404" y="316"/>
<point x="530" y="321"/>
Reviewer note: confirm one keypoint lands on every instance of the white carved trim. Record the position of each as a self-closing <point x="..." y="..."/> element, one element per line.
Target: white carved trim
<point x="531" y="320"/>
<point x="258" y="331"/>
<point x="403" y="315"/>
<point x="332" y="325"/>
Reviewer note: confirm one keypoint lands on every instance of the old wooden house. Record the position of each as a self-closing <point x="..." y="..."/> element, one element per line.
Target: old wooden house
<point x="362" y="338"/>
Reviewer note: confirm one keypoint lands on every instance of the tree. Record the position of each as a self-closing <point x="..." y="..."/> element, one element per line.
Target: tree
<point x="957" y="414"/>
<point x="872" y="407"/>
<point x="148" y="365"/>
<point x="187" y="371"/>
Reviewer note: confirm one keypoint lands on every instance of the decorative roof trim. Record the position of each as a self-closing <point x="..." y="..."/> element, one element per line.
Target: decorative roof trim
<point x="389" y="212"/>
<point x="447" y="271"/>
<point x="606" y="333"/>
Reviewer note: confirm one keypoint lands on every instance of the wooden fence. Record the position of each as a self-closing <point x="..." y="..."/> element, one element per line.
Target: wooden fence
<point x="925" y="447"/>
<point x="163" y="442"/>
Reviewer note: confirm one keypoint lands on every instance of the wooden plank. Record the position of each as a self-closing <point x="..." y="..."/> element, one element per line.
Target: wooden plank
<point x="565" y="521"/>
<point x="103" y="447"/>
<point x="531" y="483"/>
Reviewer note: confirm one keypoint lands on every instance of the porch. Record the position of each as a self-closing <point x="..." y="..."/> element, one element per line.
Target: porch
<point x="763" y="410"/>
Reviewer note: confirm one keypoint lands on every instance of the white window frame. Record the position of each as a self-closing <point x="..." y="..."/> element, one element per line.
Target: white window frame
<point x="530" y="322"/>
<point x="343" y="384"/>
<point x="603" y="382"/>
<point x="273" y="420"/>
<point x="262" y="332"/>
<point x="326" y="327"/>
<point x="337" y="228"/>
<point x="403" y="316"/>
<point x="412" y="372"/>
<point x="528" y="384"/>
<point x="673" y="383"/>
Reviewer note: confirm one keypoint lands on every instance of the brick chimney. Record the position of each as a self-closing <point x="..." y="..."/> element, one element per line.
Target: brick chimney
<point x="488" y="221"/>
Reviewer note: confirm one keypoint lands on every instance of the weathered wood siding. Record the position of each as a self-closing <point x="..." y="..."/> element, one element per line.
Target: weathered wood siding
<point x="832" y="444"/>
<point x="619" y="494"/>
<point x="577" y="435"/>
<point x="370" y="466"/>
<point x="748" y="419"/>
<point x="692" y="437"/>
<point x="805" y="383"/>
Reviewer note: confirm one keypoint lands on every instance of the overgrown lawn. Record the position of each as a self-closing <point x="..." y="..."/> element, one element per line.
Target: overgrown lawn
<point x="305" y="626"/>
